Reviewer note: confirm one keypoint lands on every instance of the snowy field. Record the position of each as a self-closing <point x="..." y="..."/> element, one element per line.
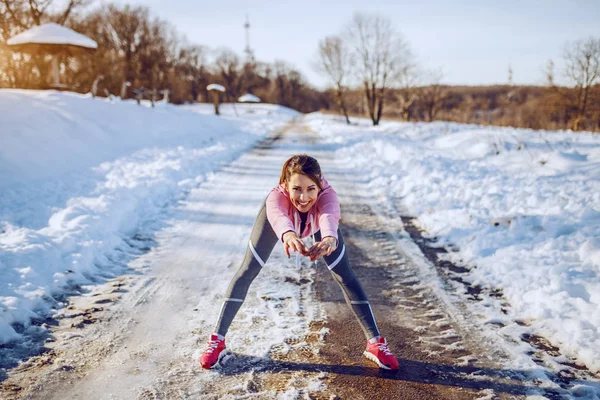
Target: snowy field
<point x="84" y="185"/>
<point x="82" y="180"/>
<point x="522" y="207"/>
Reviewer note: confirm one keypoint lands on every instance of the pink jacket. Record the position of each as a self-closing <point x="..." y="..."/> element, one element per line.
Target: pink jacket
<point x="324" y="215"/>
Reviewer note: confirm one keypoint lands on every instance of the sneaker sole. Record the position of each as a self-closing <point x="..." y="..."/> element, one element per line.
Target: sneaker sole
<point x="375" y="360"/>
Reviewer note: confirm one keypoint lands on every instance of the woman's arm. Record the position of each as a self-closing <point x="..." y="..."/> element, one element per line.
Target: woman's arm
<point x="277" y="213"/>
<point x="328" y="208"/>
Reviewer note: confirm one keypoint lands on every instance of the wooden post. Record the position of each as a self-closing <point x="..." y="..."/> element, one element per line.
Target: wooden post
<point x="124" y="87"/>
<point x="215" y="94"/>
<point x="154" y="94"/>
<point x="215" y="89"/>
<point x="55" y="70"/>
<point x="95" y="85"/>
<point x="139" y="94"/>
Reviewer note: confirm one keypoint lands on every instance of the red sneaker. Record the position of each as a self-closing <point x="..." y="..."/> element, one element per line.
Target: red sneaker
<point x="380" y="353"/>
<point x="213" y="353"/>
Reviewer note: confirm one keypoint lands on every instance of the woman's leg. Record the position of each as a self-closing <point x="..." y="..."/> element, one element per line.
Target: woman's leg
<point x="356" y="297"/>
<point x="262" y="241"/>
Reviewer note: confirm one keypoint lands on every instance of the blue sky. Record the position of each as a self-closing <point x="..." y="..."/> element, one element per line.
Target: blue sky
<point x="473" y="42"/>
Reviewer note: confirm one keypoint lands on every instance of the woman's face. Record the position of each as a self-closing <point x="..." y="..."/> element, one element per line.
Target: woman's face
<point x="303" y="192"/>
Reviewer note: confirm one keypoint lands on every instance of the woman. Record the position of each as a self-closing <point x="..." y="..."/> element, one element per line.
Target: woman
<point x="303" y="204"/>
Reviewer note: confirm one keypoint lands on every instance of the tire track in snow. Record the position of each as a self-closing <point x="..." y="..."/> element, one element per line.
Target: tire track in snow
<point x="562" y="371"/>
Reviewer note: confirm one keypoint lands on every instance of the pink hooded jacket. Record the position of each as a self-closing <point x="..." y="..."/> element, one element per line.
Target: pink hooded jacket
<point x="324" y="215"/>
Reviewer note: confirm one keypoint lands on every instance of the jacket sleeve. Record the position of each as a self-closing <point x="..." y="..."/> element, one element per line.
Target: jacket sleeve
<point x="328" y="208"/>
<point x="277" y="213"/>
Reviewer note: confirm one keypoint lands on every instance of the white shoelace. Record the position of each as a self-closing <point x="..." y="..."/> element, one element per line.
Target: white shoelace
<point x="212" y="345"/>
<point x="386" y="350"/>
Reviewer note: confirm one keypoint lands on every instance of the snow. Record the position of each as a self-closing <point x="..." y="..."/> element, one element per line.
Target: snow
<point x="84" y="182"/>
<point x="80" y="177"/>
<point x="52" y="33"/>
<point x="215" y="86"/>
<point x="522" y="206"/>
<point x="249" y="98"/>
<point x="176" y="291"/>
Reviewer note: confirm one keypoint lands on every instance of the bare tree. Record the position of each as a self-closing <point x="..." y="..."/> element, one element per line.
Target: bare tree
<point x="582" y="60"/>
<point x="256" y="76"/>
<point x="289" y="88"/>
<point x="382" y="55"/>
<point x="281" y="69"/>
<point x="334" y="60"/>
<point x="13" y="18"/>
<point x="191" y="67"/>
<point x="407" y="93"/>
<point x="230" y="67"/>
<point x="127" y="29"/>
<point x="71" y="6"/>
<point x="433" y="95"/>
<point x="157" y="53"/>
<point x="27" y="13"/>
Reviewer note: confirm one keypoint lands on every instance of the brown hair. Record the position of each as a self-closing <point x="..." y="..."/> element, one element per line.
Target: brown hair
<point x="302" y="164"/>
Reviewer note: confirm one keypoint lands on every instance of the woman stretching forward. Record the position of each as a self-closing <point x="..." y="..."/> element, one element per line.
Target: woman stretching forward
<point x="302" y="204"/>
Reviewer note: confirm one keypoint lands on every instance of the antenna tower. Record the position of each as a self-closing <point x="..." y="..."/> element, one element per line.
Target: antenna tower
<point x="248" y="50"/>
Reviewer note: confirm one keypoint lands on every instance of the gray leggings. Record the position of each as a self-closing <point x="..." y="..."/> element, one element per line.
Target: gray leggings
<point x="262" y="242"/>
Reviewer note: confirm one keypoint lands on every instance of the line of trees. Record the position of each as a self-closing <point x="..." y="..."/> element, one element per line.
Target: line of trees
<point x="370" y="66"/>
<point x="372" y="71"/>
<point x="534" y="107"/>
<point x="145" y="51"/>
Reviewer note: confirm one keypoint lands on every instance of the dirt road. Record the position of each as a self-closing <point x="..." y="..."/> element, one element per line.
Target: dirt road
<point x="139" y="335"/>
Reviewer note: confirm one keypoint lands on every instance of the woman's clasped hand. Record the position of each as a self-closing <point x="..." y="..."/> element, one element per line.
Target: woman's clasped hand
<point x="292" y="243"/>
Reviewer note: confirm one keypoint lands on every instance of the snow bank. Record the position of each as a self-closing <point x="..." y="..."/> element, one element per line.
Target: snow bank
<point x="83" y="182"/>
<point x="523" y="206"/>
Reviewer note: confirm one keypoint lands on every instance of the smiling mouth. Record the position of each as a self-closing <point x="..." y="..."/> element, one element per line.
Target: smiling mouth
<point x="303" y="204"/>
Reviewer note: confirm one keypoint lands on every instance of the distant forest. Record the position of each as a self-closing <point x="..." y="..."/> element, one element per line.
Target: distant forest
<point x="534" y="107"/>
<point x="369" y="65"/>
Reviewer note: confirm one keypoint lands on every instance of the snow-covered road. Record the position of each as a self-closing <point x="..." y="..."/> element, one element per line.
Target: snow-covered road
<point x="139" y="335"/>
<point x="149" y="332"/>
<point x="121" y="225"/>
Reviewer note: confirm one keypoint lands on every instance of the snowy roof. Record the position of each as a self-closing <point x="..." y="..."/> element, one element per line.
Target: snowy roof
<point x="52" y="34"/>
<point x="215" y="86"/>
<point x="249" y="98"/>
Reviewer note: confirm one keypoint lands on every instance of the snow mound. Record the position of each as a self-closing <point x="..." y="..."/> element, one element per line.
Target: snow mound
<point x="522" y="206"/>
<point x="83" y="183"/>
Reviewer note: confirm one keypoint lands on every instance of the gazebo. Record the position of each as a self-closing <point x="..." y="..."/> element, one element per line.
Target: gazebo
<point x="249" y="98"/>
<point x="53" y="39"/>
